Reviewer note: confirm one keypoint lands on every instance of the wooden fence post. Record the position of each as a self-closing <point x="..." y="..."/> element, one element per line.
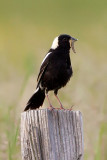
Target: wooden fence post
<point x="51" y="135"/>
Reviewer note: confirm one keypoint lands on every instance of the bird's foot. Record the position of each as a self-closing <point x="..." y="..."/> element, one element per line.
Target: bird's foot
<point x="61" y="107"/>
<point x="70" y="109"/>
<point x="51" y="108"/>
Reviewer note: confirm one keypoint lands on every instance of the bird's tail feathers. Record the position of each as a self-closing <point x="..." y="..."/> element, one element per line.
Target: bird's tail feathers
<point x="36" y="100"/>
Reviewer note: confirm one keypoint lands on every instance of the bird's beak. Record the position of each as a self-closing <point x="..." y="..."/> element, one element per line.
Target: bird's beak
<point x="72" y="40"/>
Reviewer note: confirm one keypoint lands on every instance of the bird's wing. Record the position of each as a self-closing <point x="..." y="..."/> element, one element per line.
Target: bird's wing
<point x="41" y="73"/>
<point x="43" y="68"/>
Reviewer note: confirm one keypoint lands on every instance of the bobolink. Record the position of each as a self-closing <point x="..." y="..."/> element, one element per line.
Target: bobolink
<point x="55" y="71"/>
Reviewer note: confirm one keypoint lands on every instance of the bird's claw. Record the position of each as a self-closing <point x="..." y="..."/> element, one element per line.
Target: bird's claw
<point x="61" y="107"/>
<point x="51" y="108"/>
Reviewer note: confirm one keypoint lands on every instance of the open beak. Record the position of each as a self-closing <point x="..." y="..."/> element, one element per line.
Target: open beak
<point x="72" y="40"/>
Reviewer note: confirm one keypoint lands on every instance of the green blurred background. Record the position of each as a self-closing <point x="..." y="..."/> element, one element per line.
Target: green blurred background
<point x="27" y="29"/>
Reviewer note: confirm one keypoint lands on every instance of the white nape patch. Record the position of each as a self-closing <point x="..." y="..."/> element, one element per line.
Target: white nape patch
<point x="55" y="43"/>
<point x="46" y="57"/>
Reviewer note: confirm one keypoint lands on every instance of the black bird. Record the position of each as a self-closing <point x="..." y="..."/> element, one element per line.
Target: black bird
<point x="55" y="71"/>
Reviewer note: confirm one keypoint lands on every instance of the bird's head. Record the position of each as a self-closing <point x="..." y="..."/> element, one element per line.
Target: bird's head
<point x="64" y="41"/>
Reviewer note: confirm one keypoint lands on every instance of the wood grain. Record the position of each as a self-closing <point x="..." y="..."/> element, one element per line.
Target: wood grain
<point x="51" y="135"/>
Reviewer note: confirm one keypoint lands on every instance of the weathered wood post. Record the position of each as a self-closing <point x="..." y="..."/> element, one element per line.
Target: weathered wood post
<point x="51" y="135"/>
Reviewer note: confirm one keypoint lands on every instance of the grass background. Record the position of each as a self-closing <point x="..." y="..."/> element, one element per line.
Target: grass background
<point x="27" y="29"/>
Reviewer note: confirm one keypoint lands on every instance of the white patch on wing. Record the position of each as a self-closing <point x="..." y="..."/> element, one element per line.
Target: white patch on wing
<point x="46" y="57"/>
<point x="55" y="43"/>
<point x="36" y="90"/>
